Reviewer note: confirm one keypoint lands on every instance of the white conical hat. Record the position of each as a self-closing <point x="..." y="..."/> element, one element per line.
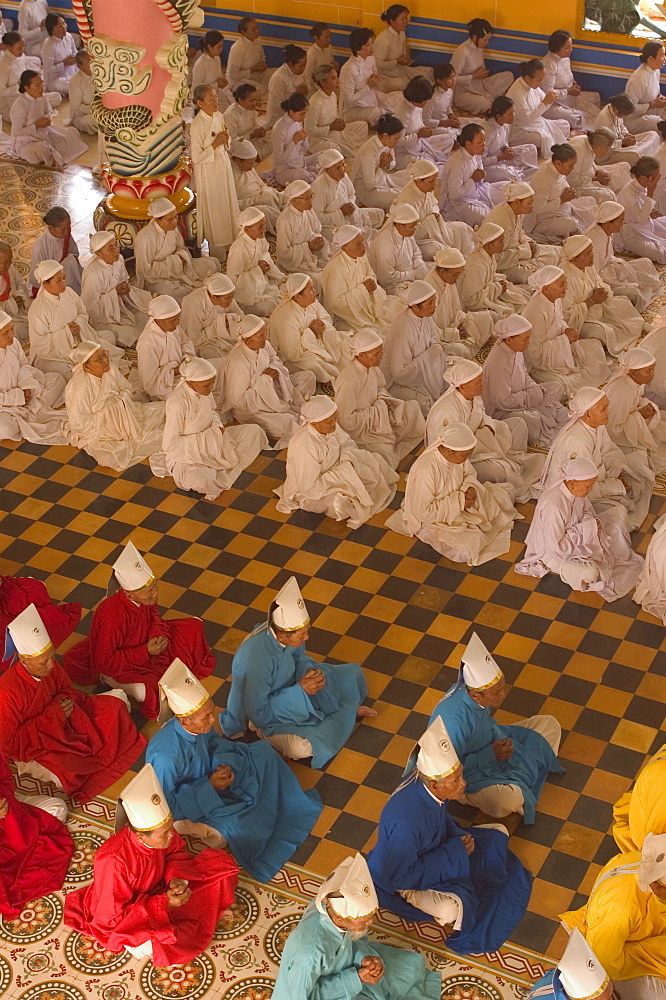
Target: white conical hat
<point x="653" y="861"/>
<point x="26" y="635"/>
<point x="143" y="802"/>
<point x="184" y="693"/>
<point x="437" y="757"/>
<point x="131" y="570"/>
<point x="581" y="973"/>
<point x="352" y="888"/>
<point x="288" y="611"/>
<point x="480" y="671"/>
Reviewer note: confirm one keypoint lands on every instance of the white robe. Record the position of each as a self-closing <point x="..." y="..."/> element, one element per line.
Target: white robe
<point x="241" y="123"/>
<point x="465" y="198"/>
<point x="208" y="69"/>
<point x="529" y="124"/>
<point x="655" y="343"/>
<point x="217" y="204"/>
<point x="52" y="340"/>
<point x="346" y="297"/>
<point x="322" y="354"/>
<point x="17" y="301"/>
<point x="48" y="247"/>
<point x="644" y="86"/>
<point x="551" y="219"/>
<point x="11" y="68"/>
<point x="415" y="359"/>
<point x="579" y="110"/>
<point x="322" y="111"/>
<point x="291" y="160"/>
<point x="412" y="146"/>
<point x="105" y="421"/>
<point x="328" y="474"/>
<point x="640" y="234"/>
<point x="51" y="146"/>
<point x="614" y="322"/>
<point x="508" y="391"/>
<point x="54" y="52"/>
<point x="281" y="85"/>
<point x="212" y="329"/>
<point x="390" y="45"/>
<point x="451" y="319"/>
<point x="516" y="260"/>
<point x="396" y="259"/>
<point x="295" y="230"/>
<point x="255" y="291"/>
<point x="647" y="143"/>
<point x="165" y="266"/>
<point x="470" y="94"/>
<point x="243" y="55"/>
<point x="637" y="279"/>
<point x="358" y="101"/>
<point x="81" y="93"/>
<point x="375" y="185"/>
<point x="31" y="14"/>
<point x="481" y="288"/>
<point x="124" y="315"/>
<point x="582" y="177"/>
<point x="251" y="189"/>
<point x="316" y="57"/>
<point x="37" y="421"/>
<point x="329" y="195"/>
<point x="159" y="355"/>
<point x="434" y="233"/>
<point x="651" y="587"/>
<point x="629" y="430"/>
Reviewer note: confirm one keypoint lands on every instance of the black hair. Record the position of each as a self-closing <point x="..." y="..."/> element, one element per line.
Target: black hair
<point x="211" y="38"/>
<point x="442" y="71"/>
<point x="27" y="76"/>
<point x="478" y="27"/>
<point x="57" y="214"/>
<point x="51" y="21"/>
<point x="389" y="125"/>
<point x="468" y="132"/>
<point x="359" y="37"/>
<point x="650" y="50"/>
<point x="294" y="53"/>
<point x="530" y="68"/>
<point x="295" y="102"/>
<point x="623" y="104"/>
<point x="562" y="152"/>
<point x="558" y="40"/>
<point x="418" y="90"/>
<point x="644" y="167"/>
<point x="318" y="28"/>
<point x="11" y="38"/>
<point x="395" y="10"/>
<point x="500" y="106"/>
<point x="244" y="90"/>
<point x="661" y="127"/>
<point x="245" y="23"/>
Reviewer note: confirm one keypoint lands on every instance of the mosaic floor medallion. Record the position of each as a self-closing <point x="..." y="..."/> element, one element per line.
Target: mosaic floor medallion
<point x="245" y="913"/>
<point x="37" y="920"/>
<point x="277" y="935"/>
<point x="39" y="961"/>
<point x="256" y="988"/>
<point x="89" y="957"/>
<point x="5" y="976"/>
<point x="468" y="987"/>
<point x="183" y="982"/>
<point x="53" y="989"/>
<point x="81" y="864"/>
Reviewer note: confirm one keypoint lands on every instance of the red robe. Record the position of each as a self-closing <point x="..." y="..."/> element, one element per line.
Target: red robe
<point x="127" y="904"/>
<point x="87" y="751"/>
<point x="35" y="849"/>
<point x="16" y="593"/>
<point x="116" y="648"/>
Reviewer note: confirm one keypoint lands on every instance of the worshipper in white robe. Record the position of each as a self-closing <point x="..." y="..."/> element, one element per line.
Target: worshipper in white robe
<point x="210" y="317"/>
<point x="34" y="138"/>
<point x="578" y="107"/>
<point x="558" y="212"/>
<point x="58" y="55"/>
<point x="31" y="16"/>
<point x="482" y="287"/>
<point x="420" y="141"/>
<point x="325" y="127"/>
<point x="113" y="303"/>
<point x="438" y="112"/>
<point x="530" y="103"/>
<point x="164" y="265"/>
<point x="590" y="551"/>
<point x="302" y="332"/>
<point x="300" y="245"/>
<point x="644" y="88"/>
<point x="217" y="203"/>
<point x="351" y="291"/>
<point x="415" y="359"/>
<point x="394" y="64"/>
<point x="208" y="69"/>
<point x="644" y="229"/>
<point x="509" y="391"/>
<point x="373" y="418"/>
<point x="433" y="232"/>
<point x="521" y="255"/>
<point x="292" y="158"/>
<point x="161" y="347"/>
<point x="104" y="420"/>
<point x="327" y="473"/>
<point x="475" y="87"/>
<point x="500" y="454"/>
<point x="57" y="243"/>
<point x="589" y="304"/>
<point x="636" y="424"/>
<point x="246" y="60"/>
<point x="555" y="351"/>
<point x="448" y="508"/>
<point x="655" y="343"/>
<point x="258" y="387"/>
<point x="251" y="188"/>
<point x="334" y="198"/>
<point x="501" y="160"/>
<point x="636" y="278"/>
<point x="590" y="179"/>
<point x="199" y="452"/>
<point x="627" y="146"/>
<point x="651" y="587"/>
<point x="13" y="63"/>
<point x="242" y="120"/>
<point x="27" y="395"/>
<point x="14" y="293"/>
<point x="320" y="52"/>
<point x="394" y="252"/>
<point x="469" y="195"/>
<point x="255" y="275"/>
<point x="463" y="333"/>
<point x="81" y="94"/>
<point x="374" y="173"/>
<point x="285" y="81"/>
<point x="360" y="97"/>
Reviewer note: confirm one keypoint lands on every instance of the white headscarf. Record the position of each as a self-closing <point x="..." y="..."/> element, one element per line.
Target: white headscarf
<point x="47" y="269"/>
<point x="317" y="408"/>
<point x="365" y="340"/>
<point x="294" y="284"/>
<point x="511" y="326"/>
<point x="197" y="369"/>
<point x="459" y="371"/>
<point x="544" y="276"/>
<point x="160" y="207"/>
<point x="163" y="307"/>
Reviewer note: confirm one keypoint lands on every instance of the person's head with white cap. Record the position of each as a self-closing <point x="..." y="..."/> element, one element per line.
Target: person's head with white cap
<point x="252" y="222"/>
<point x="327" y="79"/>
<point x="449" y="264"/>
<point x="590" y="405"/>
<point x="580" y="475"/>
<point x="348" y="897"/>
<point x="92" y="357"/>
<point x="253" y="332"/>
<point x="332" y="162"/>
<point x="199" y="374"/>
<point x="321" y="413"/>
<point x="164" y="213"/>
<point x="6" y="257"/>
<point x="514" y="331"/>
<point x="220" y="289"/>
<point x="243" y="154"/>
<point x="421" y="299"/>
<point x="456" y="443"/>
<point x="482" y="676"/>
<point x="464" y="375"/>
<point x="105" y="246"/>
<point x="135" y="577"/>
<point x="51" y="276"/>
<point x="6" y="330"/>
<point x="164" y="310"/>
<point x="610" y="217"/>
<point x="367" y="347"/>
<point x="350" y="240"/>
<point x="299" y="288"/>
<point x="424" y="174"/>
<point x="188" y="699"/>
<point x="144" y="805"/>
<point x="299" y="195"/>
<point x="652" y="869"/>
<point x="27" y="637"/>
<point x="579" y="251"/>
<point x="404" y="218"/>
<point x="520" y="197"/>
<point x="438" y="764"/>
<point x="639" y="364"/>
<point x="288" y="616"/>
<point x="550" y="281"/>
<point x="581" y="975"/>
<point x="490" y="237"/>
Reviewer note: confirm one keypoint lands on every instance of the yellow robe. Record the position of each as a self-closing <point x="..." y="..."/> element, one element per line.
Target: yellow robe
<point x="643" y="809"/>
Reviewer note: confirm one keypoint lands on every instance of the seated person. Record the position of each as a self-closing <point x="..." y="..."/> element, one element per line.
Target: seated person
<point x="349" y="284"/>
<point x="251" y="188"/>
<point x="292" y="158"/>
<point x="149" y="896"/>
<point x="286" y="80"/>
<point x="373" y="172"/>
<point x="210" y="317"/>
<point x="651" y="588"/>
<point x="17" y="592"/>
<point x="415" y="358"/>
<point x="636" y="424"/>
<point x="14" y="293"/>
<point x="255" y="275"/>
<point x="13" y="63"/>
<point x="475" y="86"/>
<point x="113" y="303"/>
<point x="241" y="793"/>
<point x="303" y="708"/>
<point x="579" y="975"/>
<point x="360" y="98"/>
<point x="504" y="767"/>
<point x="463" y="333"/>
<point x="130" y="645"/>
<point x="521" y="256"/>
<point x="300" y="245"/>
<point x="243" y="124"/>
<point x="82" y="743"/>
<point x="642" y="810"/>
<point x="34" y="136"/>
<point x="329" y="947"/>
<point x="31" y="17"/>
<point x="426" y="867"/>
<point x="57" y="243"/>
<point x="482" y="287"/>
<point x="81" y="93"/>
<point x="433" y="232"/>
<point x="325" y="127"/>
<point x="246" y="57"/>
<point x="334" y="198"/>
<point x="58" y="55"/>
<point x="636" y="278"/>
<point x="394" y="253"/>
<point x="164" y="265"/>
<point x="328" y="474"/>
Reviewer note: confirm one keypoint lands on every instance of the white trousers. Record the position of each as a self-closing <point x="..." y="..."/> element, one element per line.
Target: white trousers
<point x="136" y="691"/>
<point x="287" y="744"/>
<point x="144" y="950"/>
<point x="642" y="988"/>
<point x="49" y="803"/>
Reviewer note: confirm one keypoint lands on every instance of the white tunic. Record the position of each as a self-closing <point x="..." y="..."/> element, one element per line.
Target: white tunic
<point x="470" y="94"/>
<point x="251" y="189"/>
<point x="256" y="291"/>
<point x="508" y="391"/>
<point x="482" y="287"/>
<point x="466" y="198"/>
<point x="159" y="355"/>
<point x="322" y="111"/>
<point x="281" y="85"/>
<point x="358" y="100"/>
<point x="31" y="14"/>
<point x="552" y="219"/>
<point x="414" y="361"/>
<point x="81" y="94"/>
<point x="328" y="197"/>
<point x="125" y="315"/>
<point x="579" y="110"/>
<point x="644" y="86"/>
<point x="323" y="354"/>
<point x="651" y="587"/>
<point x="452" y="320"/>
<point x="582" y="177"/>
<point x="14" y="300"/>
<point x="529" y="124"/>
<point x="647" y="143"/>
<point x="291" y="160"/>
<point x="376" y="185"/>
<point x="208" y="69"/>
<point x="34" y="420"/>
<point x="520" y="168"/>
<point x="391" y="45"/>
<point x="66" y="252"/>
<point x="517" y="260"/>
<point x="633" y="433"/>
<point x="241" y="123"/>
<point x="637" y="278"/>
<point x="412" y="146"/>
<point x="346" y="296"/>
<point x="11" y="68"/>
<point x="614" y="322"/>
<point x="434" y="233"/>
<point x="316" y="57"/>
<point x="165" y="266"/>
<point x="212" y="329"/>
<point x="295" y="231"/>
<point x="655" y="343"/>
<point x="641" y="234"/>
<point x="217" y="204"/>
<point x="54" y="52"/>
<point x="243" y="55"/>
<point x="54" y="147"/>
<point x="396" y="259"/>
<point x="51" y="337"/>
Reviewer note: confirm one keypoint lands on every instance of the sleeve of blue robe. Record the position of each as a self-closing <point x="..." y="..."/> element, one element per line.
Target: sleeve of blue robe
<point x="460" y="725"/>
<point x="194" y="800"/>
<point x="287" y="705"/>
<point x="405" y="868"/>
<point x="302" y="980"/>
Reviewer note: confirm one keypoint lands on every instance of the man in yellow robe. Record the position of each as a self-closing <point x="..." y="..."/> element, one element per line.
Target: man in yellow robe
<point x="642" y="810"/>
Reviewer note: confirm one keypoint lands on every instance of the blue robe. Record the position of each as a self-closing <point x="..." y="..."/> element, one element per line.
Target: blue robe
<point x="320" y="962"/>
<point x="419" y="846"/>
<point x="473" y="731"/>
<point x="265" y="689"/>
<point x="548" y="987"/>
<point x="264" y="815"/>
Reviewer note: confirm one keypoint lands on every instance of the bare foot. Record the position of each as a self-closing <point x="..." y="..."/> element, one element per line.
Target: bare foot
<point x="365" y="712"/>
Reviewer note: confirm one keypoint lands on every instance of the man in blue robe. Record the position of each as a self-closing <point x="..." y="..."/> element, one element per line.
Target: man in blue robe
<point x="427" y="867"/>
<point x="244" y="793"/>
<point x="304" y="708"/>
<point x="505" y="767"/>
<point x="579" y="975"/>
<point x="328" y="956"/>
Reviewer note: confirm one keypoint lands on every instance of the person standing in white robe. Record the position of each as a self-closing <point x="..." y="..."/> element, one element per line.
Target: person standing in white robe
<point x="589" y="304"/>
<point x="469" y="196"/>
<point x="530" y="103"/>
<point x="373" y="172"/>
<point x="433" y="233"/>
<point x="334" y="198"/>
<point x="651" y="587"/>
<point x="419" y="140"/>
<point x="327" y="473"/>
<point x="392" y="53"/>
<point x="644" y="229"/>
<point x="373" y="418"/>
<point x="210" y="317"/>
<point x="31" y="17"/>
<point x="509" y="391"/>
<point x="588" y="550"/>
<point x="292" y="159"/>
<point x="199" y="452"/>
<point x="351" y="291"/>
<point x="482" y="287"/>
<point x="28" y="397"/>
<point x="555" y="351"/>
<point x="578" y="107"/>
<point x="251" y="188"/>
<point x="475" y="88"/>
<point x="320" y="52"/>
<point x="13" y="63"/>
<point x="164" y="265"/>
<point x="34" y="138"/>
<point x="300" y="245"/>
<point x="217" y="204"/>
<point x="208" y="69"/>
<point x="324" y="125"/>
<point x="242" y="120"/>
<point x="246" y="60"/>
<point x="635" y="424"/>
<point x="637" y="278"/>
<point x="644" y="88"/>
<point x="501" y="160"/>
<point x="521" y="256"/>
<point x="161" y="347"/>
<point x="463" y="333"/>
<point x="394" y="252"/>
<point x="58" y="55"/>
<point x="285" y="81"/>
<point x="587" y="178"/>
<point x="558" y="212"/>
<point x="255" y="275"/>
<point x="104" y="420"/>
<point x="81" y="94"/>
<point x="14" y="293"/>
<point x="360" y="97"/>
<point x="448" y="508"/>
<point x="627" y="147"/>
<point x="112" y="302"/>
<point x="57" y="243"/>
<point x="258" y="386"/>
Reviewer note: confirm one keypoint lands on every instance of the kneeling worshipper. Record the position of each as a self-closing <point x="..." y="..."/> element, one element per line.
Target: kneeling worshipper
<point x="482" y="288"/>
<point x="258" y="388"/>
<point x="590" y="305"/>
<point x="579" y="975"/>
<point x="589" y="550"/>
<point x="655" y="343"/>
<point x="251" y="188"/>
<point x="35" y="845"/>
<point x="198" y="451"/>
<point x="301" y="707"/>
<point x="508" y="390"/>
<point x="587" y="177"/>
<point x="334" y="198"/>
<point x="327" y="473"/>
<point x="651" y="588"/>
<point x="446" y="506"/>
<point x="504" y="767"/>
<point x="14" y="293"/>
<point x="636" y="278"/>
<point x="642" y="810"/>
<point x="624" y="920"/>
<point x="149" y="896"/>
<point x="300" y="245"/>
<point x="210" y="316"/>
<point x="35" y="139"/>
<point x="555" y="351"/>
<point x="82" y="743"/>
<point x="500" y="454"/>
<point x="463" y="333"/>
<point x="466" y="193"/>
<point x="644" y="229"/>
<point x="240" y="794"/>
<point x="17" y="592"/>
<point x="255" y="275"/>
<point x="426" y="867"/>
<point x="558" y="210"/>
<point x="394" y="252"/>
<point x="433" y="232"/>
<point x="56" y="243"/>
<point x="635" y="424"/>
<point x="112" y="302"/>
<point x="243" y="125"/>
<point x="164" y="265"/>
<point x="329" y="949"/>
<point x="325" y="128"/>
<point x="104" y="419"/>
<point x="350" y="288"/>
<point x="374" y="419"/>
<point x="520" y="256"/>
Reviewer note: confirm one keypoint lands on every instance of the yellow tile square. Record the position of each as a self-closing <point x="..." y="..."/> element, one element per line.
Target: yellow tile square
<point x="325" y="821"/>
<point x="384" y="609"/>
<point x="245" y="545"/>
<point x="496" y="616"/>
<point x="367" y="803"/>
<point x="560" y="634"/>
<point x="305" y="563"/>
<point x="418" y="670"/>
<point x="583" y="749"/>
<point x="542" y="605"/>
<point x="630" y="654"/>
<point x="606" y="786"/>
<point x="398" y="750"/>
<point x="404" y="640"/>
<point x="588" y="668"/>
<point x="634" y="736"/>
<point x="556" y="801"/>
<point x="351" y="650"/>
<point x="516" y="647"/>
<point x="351" y="765"/>
<point x="477" y="587"/>
<point x="609" y="700"/>
<point x="321" y="591"/>
<point x="578" y="841"/>
<point x="565" y="713"/>
<point x="538" y="679"/>
<point x="336" y="620"/>
<point x="327" y="856"/>
<point x="352" y="553"/>
<point x="259" y="572"/>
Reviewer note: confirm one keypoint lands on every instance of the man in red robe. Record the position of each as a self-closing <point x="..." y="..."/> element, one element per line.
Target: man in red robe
<point x="83" y="742"/>
<point x="130" y="645"/>
<point x="35" y="846"/>
<point x="16" y="593"/>
<point x="149" y="895"/>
